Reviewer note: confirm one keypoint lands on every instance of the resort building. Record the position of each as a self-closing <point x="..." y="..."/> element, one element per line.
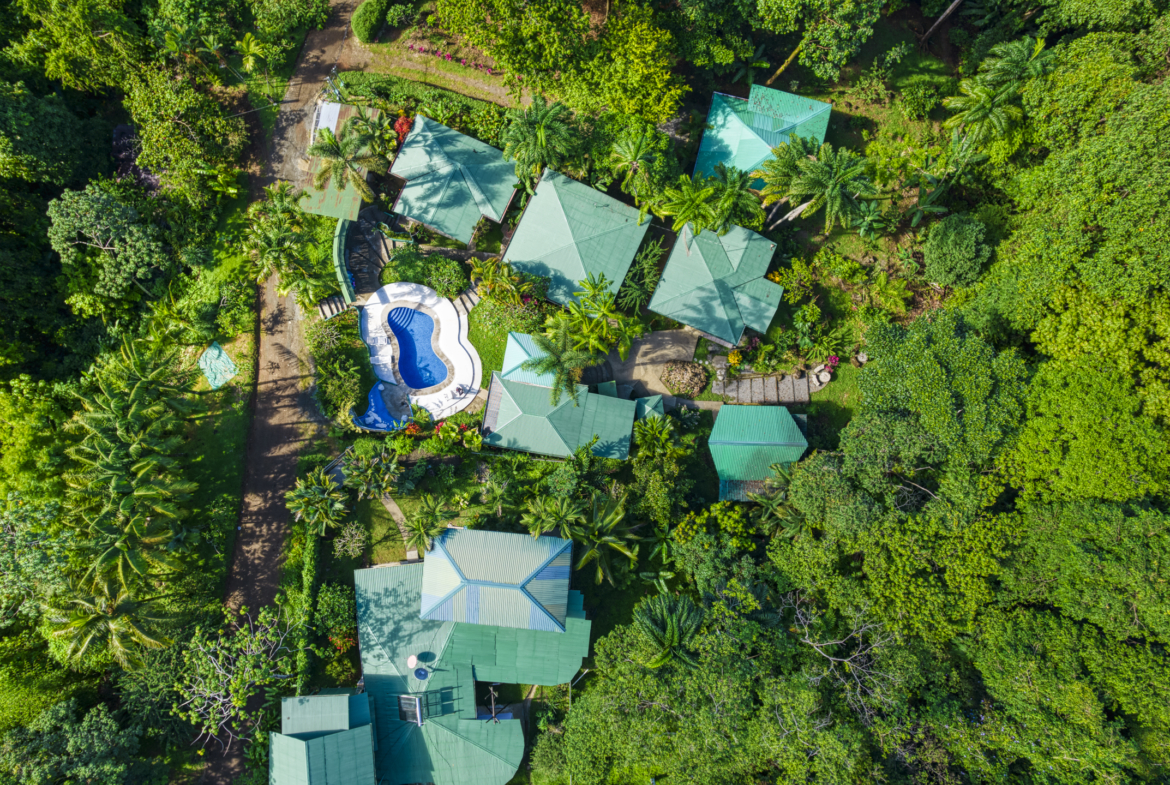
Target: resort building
<point x="326" y="739"/>
<point x="483" y="608"/>
<point x="569" y="231"/>
<point x="742" y="132"/>
<point x="451" y="180"/>
<point x="747" y="441"/>
<point x="716" y="284"/>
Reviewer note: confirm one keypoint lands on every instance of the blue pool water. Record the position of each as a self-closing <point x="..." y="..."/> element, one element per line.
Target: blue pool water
<point x="418" y="364"/>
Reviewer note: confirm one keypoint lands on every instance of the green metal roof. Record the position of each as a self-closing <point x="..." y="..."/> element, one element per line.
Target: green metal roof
<point x="528" y="422"/>
<point x="747" y="440"/>
<point x="521" y="347"/>
<point x="343" y="758"/>
<point x="504" y="580"/>
<point x="742" y="132"/>
<point x="608" y="389"/>
<point x="310" y="716"/>
<point x="716" y="284"/>
<point x="452" y="746"/>
<point x="333" y="202"/>
<point x="451" y="179"/>
<point x="570" y="230"/>
<point x="649" y="407"/>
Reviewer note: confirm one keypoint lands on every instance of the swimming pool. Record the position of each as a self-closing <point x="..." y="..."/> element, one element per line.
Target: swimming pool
<point x="418" y="364"/>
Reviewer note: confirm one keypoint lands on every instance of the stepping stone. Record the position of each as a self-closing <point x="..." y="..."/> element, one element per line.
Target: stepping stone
<point x="745" y="391"/>
<point x="801" y="390"/>
<point x="771" y="395"/>
<point x="785" y="392"/>
<point x="757" y="390"/>
<point x="717" y="386"/>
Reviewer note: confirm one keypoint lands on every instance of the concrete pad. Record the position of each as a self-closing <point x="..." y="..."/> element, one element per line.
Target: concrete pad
<point x="785" y="391"/>
<point x="757" y="390"/>
<point x="771" y="394"/>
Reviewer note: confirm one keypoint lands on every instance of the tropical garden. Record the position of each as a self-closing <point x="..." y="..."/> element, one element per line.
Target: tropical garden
<point x="963" y="579"/>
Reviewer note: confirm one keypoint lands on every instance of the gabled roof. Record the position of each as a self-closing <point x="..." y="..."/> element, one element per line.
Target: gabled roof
<point x="570" y="230"/>
<point x="520" y="348"/>
<point x="310" y="716"/>
<point x="742" y="132"/>
<point x="498" y="579"/>
<point x="451" y="179"/>
<point x="453" y="746"/>
<point x="649" y="407"/>
<point x="747" y="440"/>
<point x="716" y="284"/>
<point x="323" y="740"/>
<point x="520" y="417"/>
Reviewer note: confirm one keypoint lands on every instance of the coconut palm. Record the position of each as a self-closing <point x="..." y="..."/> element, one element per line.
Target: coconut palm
<point x="318" y="500"/>
<point x="1012" y="63"/>
<point x="689" y="201"/>
<point x="670" y="625"/>
<point x="281" y="198"/>
<point x="604" y="534"/>
<point x="379" y="126"/>
<point x="536" y="138"/>
<point x="564" y="361"/>
<point x="633" y="154"/>
<point x="273" y="245"/>
<point x="423" y="527"/>
<point x="735" y="204"/>
<point x="984" y="113"/>
<point x="344" y="159"/>
<point x="552" y="514"/>
<point x="834" y="180"/>
<point x="779" y="170"/>
<point x="107" y="616"/>
<point x="656" y="440"/>
<point x="128" y="549"/>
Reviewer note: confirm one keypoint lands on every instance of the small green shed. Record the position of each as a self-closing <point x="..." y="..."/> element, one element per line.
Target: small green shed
<point x="746" y="441"/>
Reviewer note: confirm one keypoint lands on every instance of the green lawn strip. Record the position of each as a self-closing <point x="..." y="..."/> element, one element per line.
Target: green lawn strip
<point x="834" y="406"/>
<point x="385" y="541"/>
<point x="488" y="342"/>
<point x="438" y="79"/>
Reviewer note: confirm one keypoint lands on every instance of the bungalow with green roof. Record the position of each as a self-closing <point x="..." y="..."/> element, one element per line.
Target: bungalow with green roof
<point x="324" y="740"/>
<point x="569" y="231"/>
<point x="745" y="443"/>
<point x="519" y="349"/>
<point x="716" y="284"/>
<point x="484" y="607"/>
<point x="451" y="180"/>
<point x="742" y="132"/>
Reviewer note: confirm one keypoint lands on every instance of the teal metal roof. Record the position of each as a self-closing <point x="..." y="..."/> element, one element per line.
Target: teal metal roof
<point x="649" y="407"/>
<point x="716" y="284"/>
<point x="452" y="746"/>
<point x="608" y="389"/>
<point x="520" y="348"/>
<point x="498" y="579"/>
<point x="526" y="421"/>
<point x="343" y="758"/>
<point x="742" y="132"/>
<point x="451" y="179"/>
<point x="310" y="716"/>
<point x="747" y="440"/>
<point x="570" y="230"/>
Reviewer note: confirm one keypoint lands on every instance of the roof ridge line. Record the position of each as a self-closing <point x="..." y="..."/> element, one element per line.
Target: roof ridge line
<point x="504" y="391"/>
<point x="458" y="735"/>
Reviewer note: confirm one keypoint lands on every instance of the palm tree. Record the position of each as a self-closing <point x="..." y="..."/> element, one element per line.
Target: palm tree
<point x="107" y="616"/>
<point x="498" y="493"/>
<point x="128" y="549"/>
<point x="273" y="244"/>
<point x="379" y="127"/>
<point x="888" y="293"/>
<point x="251" y="54"/>
<point x="605" y="533"/>
<point x="833" y="180"/>
<point x="372" y="476"/>
<point x="735" y="204"/>
<point x="984" y="113"/>
<point x="343" y="159"/>
<point x="536" y="138"/>
<point x="281" y="198"/>
<point x="317" y="500"/>
<point x="564" y="361"/>
<point x="689" y="201"/>
<point x="656" y="439"/>
<point x="624" y="331"/>
<point x="549" y="513"/>
<point x="633" y="154"/>
<point x="670" y="625"/>
<point x="421" y="530"/>
<point x="779" y="170"/>
<point x="1012" y="63"/>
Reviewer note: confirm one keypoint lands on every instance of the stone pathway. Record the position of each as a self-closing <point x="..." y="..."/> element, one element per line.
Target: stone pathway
<point x="763" y="389"/>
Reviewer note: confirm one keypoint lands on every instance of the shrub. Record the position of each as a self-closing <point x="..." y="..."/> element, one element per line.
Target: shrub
<point x="367" y="20"/>
<point x="446" y="276"/>
<point x="919" y="99"/>
<point x="399" y="15"/>
<point x="955" y="251"/>
<point x="336" y="611"/>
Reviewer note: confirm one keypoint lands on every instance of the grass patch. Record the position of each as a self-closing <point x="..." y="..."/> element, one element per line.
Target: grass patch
<point x="435" y="78"/>
<point x="489" y="343"/>
<point x="831" y="409"/>
<point x="385" y="543"/>
<point x="488" y="325"/>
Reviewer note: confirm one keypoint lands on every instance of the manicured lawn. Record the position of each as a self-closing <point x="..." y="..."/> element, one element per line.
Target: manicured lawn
<point x="832" y="408"/>
<point x="385" y="540"/>
<point x="489" y="342"/>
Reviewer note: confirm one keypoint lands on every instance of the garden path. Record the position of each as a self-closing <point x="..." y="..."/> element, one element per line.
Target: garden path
<point x="642" y="368"/>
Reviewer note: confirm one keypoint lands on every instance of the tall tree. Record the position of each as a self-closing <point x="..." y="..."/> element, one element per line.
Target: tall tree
<point x="537" y="137"/>
<point x="670" y="625"/>
<point x="983" y="113"/>
<point x="605" y="534"/>
<point x="735" y="204"/>
<point x="343" y="159"/>
<point x="834" y="180"/>
<point x="108" y="620"/>
<point x="689" y="202"/>
<point x="565" y="363"/>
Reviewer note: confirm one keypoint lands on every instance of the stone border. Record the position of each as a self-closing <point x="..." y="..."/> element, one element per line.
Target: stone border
<point x="449" y="342"/>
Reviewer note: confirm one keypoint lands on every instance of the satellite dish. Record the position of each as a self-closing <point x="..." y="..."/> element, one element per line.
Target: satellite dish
<point x="411" y="661"/>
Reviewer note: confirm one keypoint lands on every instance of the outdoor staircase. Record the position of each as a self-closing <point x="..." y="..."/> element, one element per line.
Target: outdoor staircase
<point x="367" y="254"/>
<point x="330" y="307"/>
<point x="466" y="301"/>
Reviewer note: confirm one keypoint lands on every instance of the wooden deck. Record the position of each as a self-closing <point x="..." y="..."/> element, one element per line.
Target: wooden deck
<point x="491" y="412"/>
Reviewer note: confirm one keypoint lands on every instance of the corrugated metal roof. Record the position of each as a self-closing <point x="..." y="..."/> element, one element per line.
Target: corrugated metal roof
<point x="649" y="407"/>
<point x="520" y="348"/>
<point x="528" y="422"/>
<point x="742" y="132"/>
<point x="747" y="440"/>
<point x="608" y="389"/>
<point x="451" y="747"/>
<point x="716" y="283"/>
<point x="451" y="179"/>
<point x="342" y="758"/>
<point x="570" y="230"/>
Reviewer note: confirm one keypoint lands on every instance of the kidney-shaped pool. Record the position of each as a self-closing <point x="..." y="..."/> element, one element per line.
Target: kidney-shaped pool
<point x="418" y="364"/>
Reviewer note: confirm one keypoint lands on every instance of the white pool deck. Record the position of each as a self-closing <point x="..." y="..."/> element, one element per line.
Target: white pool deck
<point x="452" y="343"/>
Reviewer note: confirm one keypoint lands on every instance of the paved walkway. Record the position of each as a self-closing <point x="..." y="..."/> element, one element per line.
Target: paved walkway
<point x="642" y="368"/>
